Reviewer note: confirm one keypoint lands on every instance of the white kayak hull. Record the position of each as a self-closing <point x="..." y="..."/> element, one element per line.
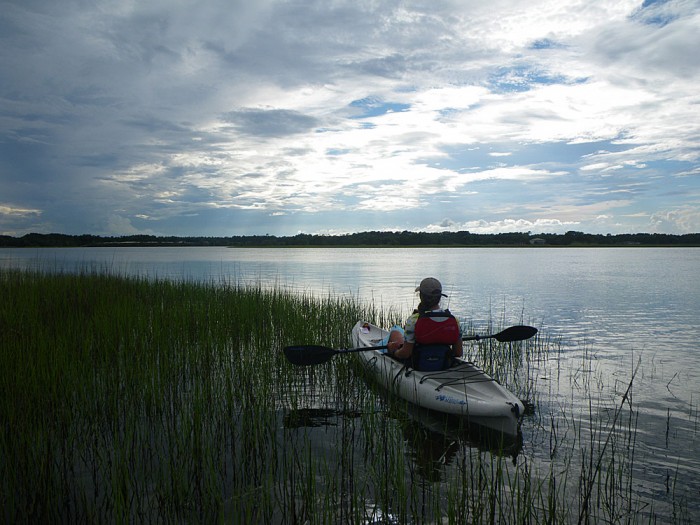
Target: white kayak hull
<point x="463" y="390"/>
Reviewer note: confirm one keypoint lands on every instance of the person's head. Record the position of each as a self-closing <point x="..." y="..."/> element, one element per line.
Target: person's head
<point x="430" y="292"/>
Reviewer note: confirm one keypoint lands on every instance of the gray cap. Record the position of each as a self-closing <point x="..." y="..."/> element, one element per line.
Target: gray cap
<point x="430" y="287"/>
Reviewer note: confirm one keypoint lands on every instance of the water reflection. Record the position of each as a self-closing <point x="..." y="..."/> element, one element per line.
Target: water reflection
<point x="316" y="417"/>
<point x="433" y="439"/>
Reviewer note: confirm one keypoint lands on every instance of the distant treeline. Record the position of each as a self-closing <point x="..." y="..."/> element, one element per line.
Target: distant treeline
<point x="372" y="238"/>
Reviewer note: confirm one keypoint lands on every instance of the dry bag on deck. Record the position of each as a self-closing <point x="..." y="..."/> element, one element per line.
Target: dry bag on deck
<point x="430" y="358"/>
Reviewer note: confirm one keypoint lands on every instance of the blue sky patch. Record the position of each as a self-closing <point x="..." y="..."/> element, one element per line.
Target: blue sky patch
<point x="650" y="14"/>
<point x="673" y="167"/>
<point x="521" y="78"/>
<point x="476" y="157"/>
<point x="372" y="107"/>
<point x="546" y="43"/>
<point x="337" y="152"/>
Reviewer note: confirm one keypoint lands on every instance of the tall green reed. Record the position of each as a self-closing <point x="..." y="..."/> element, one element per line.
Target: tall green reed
<point x="123" y="399"/>
<point x="133" y="399"/>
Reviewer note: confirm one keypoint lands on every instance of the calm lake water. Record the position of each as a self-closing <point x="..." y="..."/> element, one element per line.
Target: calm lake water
<point x="619" y="307"/>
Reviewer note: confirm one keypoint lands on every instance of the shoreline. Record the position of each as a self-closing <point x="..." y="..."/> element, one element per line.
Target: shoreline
<point x="372" y="239"/>
<point x="353" y="246"/>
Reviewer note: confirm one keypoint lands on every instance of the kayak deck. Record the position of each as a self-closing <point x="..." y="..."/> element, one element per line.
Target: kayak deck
<point x="463" y="372"/>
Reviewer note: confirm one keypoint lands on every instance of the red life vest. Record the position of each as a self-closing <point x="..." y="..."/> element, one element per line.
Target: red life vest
<point x="435" y="333"/>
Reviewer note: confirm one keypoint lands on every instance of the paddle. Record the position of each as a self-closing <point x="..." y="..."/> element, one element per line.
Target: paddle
<point x="514" y="333"/>
<point x="306" y="355"/>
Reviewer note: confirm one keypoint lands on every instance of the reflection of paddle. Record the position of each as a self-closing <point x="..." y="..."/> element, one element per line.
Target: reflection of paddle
<point x="317" y="417"/>
<point x="305" y="355"/>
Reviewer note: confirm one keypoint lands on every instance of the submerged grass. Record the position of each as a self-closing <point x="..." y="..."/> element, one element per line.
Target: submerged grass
<point x="125" y="399"/>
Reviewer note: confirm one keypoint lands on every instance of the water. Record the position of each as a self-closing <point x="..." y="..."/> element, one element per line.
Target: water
<point x="617" y="307"/>
<point x="616" y="299"/>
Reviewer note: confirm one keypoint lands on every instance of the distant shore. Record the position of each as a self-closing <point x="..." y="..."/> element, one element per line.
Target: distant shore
<point x="372" y="239"/>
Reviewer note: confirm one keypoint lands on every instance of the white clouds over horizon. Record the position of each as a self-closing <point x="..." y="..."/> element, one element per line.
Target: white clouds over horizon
<point x="226" y="118"/>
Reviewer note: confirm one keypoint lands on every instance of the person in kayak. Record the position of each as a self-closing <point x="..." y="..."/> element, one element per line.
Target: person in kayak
<point x="432" y="336"/>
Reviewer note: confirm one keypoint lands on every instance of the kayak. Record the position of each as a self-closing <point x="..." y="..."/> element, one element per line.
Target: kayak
<point x="463" y="390"/>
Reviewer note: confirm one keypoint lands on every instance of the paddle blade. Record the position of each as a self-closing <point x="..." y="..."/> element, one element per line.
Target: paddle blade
<point x="308" y="355"/>
<point x="515" y="333"/>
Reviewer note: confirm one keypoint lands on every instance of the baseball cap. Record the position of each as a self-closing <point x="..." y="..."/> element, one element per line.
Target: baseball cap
<point x="430" y="287"/>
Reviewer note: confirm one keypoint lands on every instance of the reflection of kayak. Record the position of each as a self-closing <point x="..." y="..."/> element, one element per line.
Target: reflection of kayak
<point x="464" y="389"/>
<point x="434" y="439"/>
<point x="455" y="428"/>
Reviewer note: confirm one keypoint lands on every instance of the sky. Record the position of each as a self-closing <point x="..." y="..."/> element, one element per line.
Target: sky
<point x="238" y="117"/>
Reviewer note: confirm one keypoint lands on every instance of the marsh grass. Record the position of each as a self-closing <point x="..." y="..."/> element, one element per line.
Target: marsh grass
<point x="131" y="400"/>
<point x="134" y="400"/>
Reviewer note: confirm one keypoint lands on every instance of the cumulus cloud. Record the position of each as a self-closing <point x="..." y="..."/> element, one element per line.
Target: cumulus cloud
<point x="503" y="226"/>
<point x="266" y="116"/>
<point x="684" y="220"/>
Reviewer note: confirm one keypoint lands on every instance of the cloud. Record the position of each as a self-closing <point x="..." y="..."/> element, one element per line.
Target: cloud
<point x="270" y="122"/>
<point x="13" y="219"/>
<point x="9" y="210"/>
<point x="503" y="226"/>
<point x="141" y="114"/>
<point x="121" y="226"/>
<point x="684" y="220"/>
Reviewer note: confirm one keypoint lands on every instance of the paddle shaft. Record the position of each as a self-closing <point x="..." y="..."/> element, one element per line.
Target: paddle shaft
<point x="306" y="355"/>
<point x="360" y="349"/>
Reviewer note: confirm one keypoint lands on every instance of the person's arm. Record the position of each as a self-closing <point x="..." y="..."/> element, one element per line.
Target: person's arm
<point x="405" y="351"/>
<point x="395" y="340"/>
<point x="457" y="350"/>
<point x="408" y="339"/>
